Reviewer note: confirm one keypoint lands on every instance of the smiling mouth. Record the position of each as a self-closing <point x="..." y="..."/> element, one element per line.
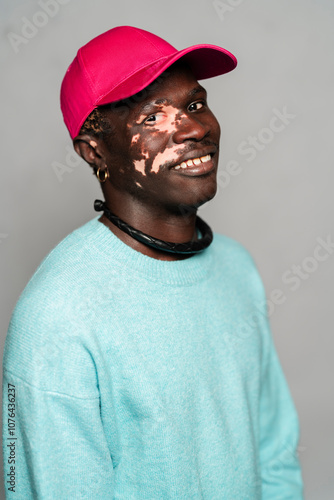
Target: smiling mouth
<point x="196" y="167"/>
<point x="194" y="162"/>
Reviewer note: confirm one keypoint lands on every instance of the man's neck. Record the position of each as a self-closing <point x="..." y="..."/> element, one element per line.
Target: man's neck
<point x="174" y="228"/>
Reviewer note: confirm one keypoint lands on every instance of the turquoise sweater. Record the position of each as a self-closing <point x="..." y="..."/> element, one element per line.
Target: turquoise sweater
<point x="142" y="379"/>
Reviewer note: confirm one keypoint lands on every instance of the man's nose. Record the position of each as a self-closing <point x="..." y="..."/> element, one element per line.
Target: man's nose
<point x="191" y="128"/>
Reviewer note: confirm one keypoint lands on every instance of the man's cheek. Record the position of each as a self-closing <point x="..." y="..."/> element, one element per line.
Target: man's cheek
<point x="138" y="154"/>
<point x="170" y="156"/>
<point x="140" y="165"/>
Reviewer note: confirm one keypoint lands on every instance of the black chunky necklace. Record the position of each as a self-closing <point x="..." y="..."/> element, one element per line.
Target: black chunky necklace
<point x="183" y="248"/>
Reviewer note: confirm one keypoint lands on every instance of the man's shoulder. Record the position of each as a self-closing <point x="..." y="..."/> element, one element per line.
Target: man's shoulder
<point x="231" y="251"/>
<point x="63" y="272"/>
<point x="49" y="320"/>
<point x="235" y="265"/>
<point x="79" y="243"/>
<point x="75" y="251"/>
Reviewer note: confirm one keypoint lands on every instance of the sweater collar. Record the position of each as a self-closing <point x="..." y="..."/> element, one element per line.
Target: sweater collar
<point x="184" y="271"/>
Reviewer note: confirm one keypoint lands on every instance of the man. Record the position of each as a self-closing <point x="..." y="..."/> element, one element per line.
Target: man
<point x="140" y="351"/>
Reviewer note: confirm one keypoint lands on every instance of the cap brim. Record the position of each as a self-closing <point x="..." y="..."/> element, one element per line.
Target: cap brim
<point x="206" y="61"/>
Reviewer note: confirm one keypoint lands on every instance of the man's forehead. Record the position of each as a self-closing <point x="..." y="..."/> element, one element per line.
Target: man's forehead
<point x="165" y="91"/>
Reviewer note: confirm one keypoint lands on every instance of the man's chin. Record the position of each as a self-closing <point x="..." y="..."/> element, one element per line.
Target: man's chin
<point x="188" y="209"/>
<point x="205" y="195"/>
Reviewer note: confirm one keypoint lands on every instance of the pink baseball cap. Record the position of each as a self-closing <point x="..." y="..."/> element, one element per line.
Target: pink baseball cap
<point x="123" y="61"/>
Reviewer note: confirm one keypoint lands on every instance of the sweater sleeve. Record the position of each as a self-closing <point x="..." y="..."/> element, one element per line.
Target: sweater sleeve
<point x="279" y="432"/>
<point x="60" y="450"/>
<point x="56" y="446"/>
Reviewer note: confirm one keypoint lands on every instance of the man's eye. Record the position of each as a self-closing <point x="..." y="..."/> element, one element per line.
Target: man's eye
<point x="195" y="106"/>
<point x="151" y="119"/>
<point x="154" y="119"/>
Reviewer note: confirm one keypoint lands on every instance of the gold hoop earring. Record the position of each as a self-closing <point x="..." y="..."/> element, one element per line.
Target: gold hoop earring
<point x="105" y="175"/>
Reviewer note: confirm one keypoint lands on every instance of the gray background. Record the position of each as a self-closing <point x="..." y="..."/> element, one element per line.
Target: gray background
<point x="277" y="205"/>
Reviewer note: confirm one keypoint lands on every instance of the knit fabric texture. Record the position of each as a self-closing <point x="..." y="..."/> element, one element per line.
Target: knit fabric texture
<point x="143" y="379"/>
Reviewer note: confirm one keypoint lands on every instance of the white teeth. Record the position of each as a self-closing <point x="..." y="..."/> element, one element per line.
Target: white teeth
<point x="194" y="161"/>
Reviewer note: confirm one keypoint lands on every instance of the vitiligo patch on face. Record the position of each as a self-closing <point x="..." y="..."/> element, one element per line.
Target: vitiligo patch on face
<point x="167" y="120"/>
<point x="170" y="155"/>
<point x="140" y="164"/>
<point x="135" y="139"/>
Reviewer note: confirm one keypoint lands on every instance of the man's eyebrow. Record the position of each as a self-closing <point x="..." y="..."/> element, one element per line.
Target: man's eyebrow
<point x="157" y="102"/>
<point x="197" y="90"/>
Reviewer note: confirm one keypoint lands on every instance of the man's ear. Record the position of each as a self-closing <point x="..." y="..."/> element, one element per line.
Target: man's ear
<point x="90" y="149"/>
